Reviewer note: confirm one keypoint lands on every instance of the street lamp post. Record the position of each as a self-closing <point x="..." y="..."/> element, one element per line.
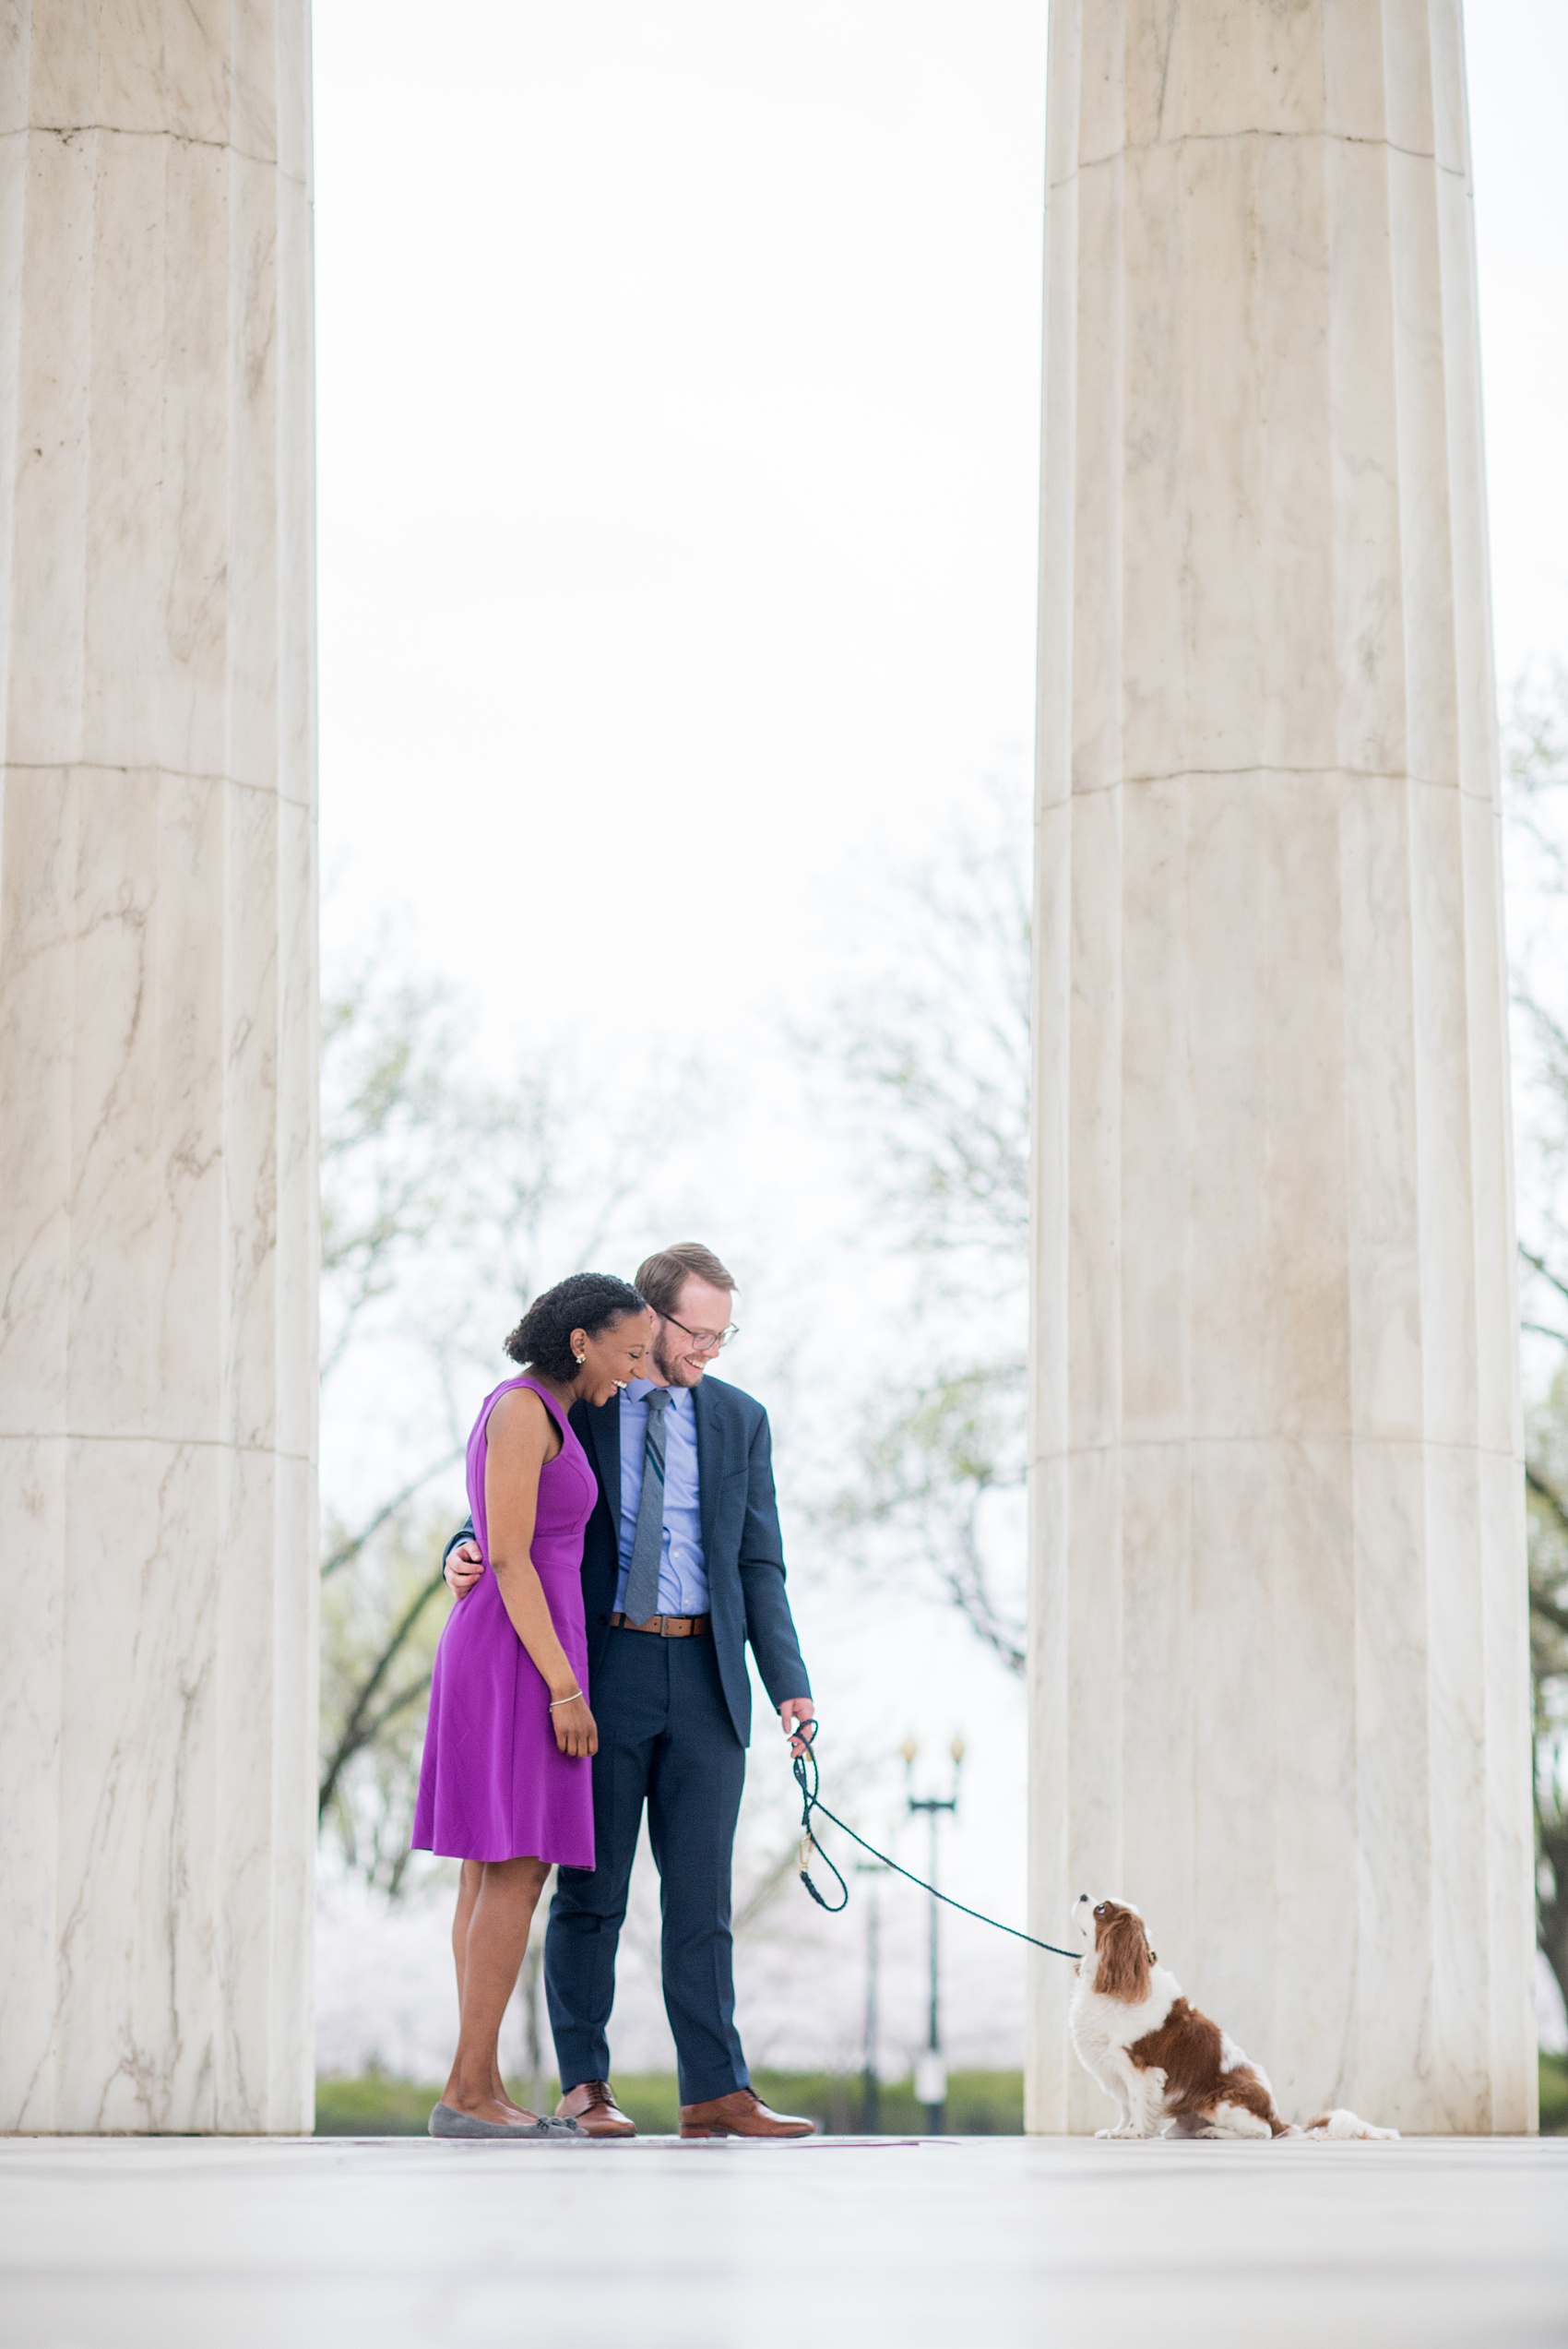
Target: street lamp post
<point x="931" y="2070"/>
<point x="871" y="2093"/>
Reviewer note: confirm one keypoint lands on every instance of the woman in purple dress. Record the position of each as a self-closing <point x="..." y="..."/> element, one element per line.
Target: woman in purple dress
<point x="506" y="1785"/>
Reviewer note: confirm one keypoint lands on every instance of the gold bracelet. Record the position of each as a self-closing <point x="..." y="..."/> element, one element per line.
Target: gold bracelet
<point x="566" y="1701"/>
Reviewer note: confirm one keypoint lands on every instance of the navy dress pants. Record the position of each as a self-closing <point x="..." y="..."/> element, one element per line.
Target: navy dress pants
<point x="666" y="1739"/>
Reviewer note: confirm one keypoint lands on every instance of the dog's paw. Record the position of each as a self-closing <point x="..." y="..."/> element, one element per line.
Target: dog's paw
<point x="1123" y="2129"/>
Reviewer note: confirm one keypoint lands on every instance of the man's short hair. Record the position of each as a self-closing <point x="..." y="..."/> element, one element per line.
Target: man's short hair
<point x="663" y="1275"/>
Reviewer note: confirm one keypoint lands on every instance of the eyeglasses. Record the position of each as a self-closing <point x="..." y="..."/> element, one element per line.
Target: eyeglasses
<point x="705" y="1340"/>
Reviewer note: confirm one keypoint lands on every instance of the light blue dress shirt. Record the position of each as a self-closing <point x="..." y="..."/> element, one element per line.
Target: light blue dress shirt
<point x="683" y="1569"/>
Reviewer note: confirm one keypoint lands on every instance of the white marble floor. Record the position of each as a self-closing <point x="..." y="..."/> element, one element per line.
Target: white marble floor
<point x="396" y="2242"/>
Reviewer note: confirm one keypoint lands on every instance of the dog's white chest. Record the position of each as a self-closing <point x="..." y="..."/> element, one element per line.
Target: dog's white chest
<point x="1099" y="2027"/>
<point x="1090" y="2028"/>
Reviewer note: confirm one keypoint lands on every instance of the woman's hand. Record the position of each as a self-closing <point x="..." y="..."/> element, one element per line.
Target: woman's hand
<point x="576" y="1732"/>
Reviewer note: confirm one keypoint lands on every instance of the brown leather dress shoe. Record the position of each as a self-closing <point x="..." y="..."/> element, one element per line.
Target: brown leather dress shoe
<point x="741" y="2114"/>
<point x="593" y="2107"/>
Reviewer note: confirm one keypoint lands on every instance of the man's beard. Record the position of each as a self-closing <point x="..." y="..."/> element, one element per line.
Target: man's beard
<point x="670" y="1368"/>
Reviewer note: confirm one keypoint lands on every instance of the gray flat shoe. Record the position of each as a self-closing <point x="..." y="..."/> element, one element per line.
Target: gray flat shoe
<point x="444" y="2122"/>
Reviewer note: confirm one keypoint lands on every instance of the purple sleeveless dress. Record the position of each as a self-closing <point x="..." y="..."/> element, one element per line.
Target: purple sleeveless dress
<point x="493" y="1784"/>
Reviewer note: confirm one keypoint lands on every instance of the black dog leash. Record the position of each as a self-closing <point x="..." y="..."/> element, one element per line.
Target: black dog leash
<point x="808" y="1778"/>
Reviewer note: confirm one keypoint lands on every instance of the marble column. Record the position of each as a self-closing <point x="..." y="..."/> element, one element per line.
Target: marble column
<point x="1280" y="1686"/>
<point x="158" y="1025"/>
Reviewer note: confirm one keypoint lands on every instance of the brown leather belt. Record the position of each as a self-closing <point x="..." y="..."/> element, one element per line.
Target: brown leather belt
<point x="665" y="1627"/>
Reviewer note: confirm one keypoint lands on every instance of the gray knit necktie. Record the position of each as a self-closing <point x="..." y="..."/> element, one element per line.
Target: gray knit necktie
<point x="648" y="1543"/>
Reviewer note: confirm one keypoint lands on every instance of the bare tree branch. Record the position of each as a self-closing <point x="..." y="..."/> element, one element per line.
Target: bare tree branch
<point x="1538" y="1264"/>
<point x="350" y="1549"/>
<point x="1549" y="1610"/>
<point x="370" y="1730"/>
<point x="1537" y="1482"/>
<point x="353" y="1735"/>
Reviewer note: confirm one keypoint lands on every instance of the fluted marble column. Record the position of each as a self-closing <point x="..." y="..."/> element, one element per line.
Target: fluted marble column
<point x="158" y="1002"/>
<point x="1279" y="1673"/>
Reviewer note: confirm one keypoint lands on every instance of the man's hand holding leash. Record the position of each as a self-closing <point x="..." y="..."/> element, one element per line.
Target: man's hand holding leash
<point x="793" y="1714"/>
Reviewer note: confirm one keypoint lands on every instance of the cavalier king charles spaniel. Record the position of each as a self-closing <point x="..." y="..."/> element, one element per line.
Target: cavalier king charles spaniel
<point x="1168" y="2067"/>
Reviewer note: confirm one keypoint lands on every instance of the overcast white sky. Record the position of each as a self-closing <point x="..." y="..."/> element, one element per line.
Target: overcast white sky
<point x="678" y="398"/>
<point x="678" y="410"/>
<point x="678" y="403"/>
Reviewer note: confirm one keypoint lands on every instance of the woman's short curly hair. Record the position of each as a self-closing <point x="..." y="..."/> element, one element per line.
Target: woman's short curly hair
<point x="591" y="1301"/>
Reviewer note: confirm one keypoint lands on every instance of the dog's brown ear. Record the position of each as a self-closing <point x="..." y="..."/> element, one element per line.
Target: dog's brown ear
<point x="1122" y="1954"/>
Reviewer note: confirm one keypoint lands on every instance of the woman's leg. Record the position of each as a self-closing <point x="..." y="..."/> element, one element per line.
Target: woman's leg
<point x="495" y="1942"/>
<point x="468" y="1894"/>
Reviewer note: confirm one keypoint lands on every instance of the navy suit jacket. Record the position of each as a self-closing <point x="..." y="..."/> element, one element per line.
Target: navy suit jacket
<point x="742" y="1548"/>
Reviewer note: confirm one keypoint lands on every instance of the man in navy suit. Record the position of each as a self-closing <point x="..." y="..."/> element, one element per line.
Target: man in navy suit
<point x="685" y="1517"/>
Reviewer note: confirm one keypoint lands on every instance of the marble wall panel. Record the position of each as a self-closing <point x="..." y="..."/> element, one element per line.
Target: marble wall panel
<point x="1161" y="1681"/>
<point x="157" y="1061"/>
<point x="1093" y="355"/>
<point x="37" y="1009"/>
<point x="16" y="42"/>
<point x="44" y="673"/>
<point x="1361" y="431"/>
<point x="1087" y="1313"/>
<point x="1442" y="1074"/>
<point x="33" y="1481"/>
<point x="1231" y="1766"/>
<point x="294" y="456"/>
<point x="1384" y="1258"/>
<point x="1157" y="1122"/>
<point x="1457" y="1674"/>
<point x="1048" y="2064"/>
<point x="1278" y="1662"/>
<point x="135" y="2002"/>
<point x="1390" y="2044"/>
<point x="1355" y="91"/>
<point x="1311" y="1685"/>
<point x="1051" y="1126"/>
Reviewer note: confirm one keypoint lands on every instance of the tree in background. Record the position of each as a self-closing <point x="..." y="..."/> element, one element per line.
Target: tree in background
<point x="447" y="1202"/>
<point x="933" y="1047"/>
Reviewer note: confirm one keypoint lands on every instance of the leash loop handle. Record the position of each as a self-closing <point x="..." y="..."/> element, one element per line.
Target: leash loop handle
<point x="805" y="1730"/>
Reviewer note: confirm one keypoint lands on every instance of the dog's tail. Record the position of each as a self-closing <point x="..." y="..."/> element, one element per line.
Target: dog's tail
<point x="1340" y="2123"/>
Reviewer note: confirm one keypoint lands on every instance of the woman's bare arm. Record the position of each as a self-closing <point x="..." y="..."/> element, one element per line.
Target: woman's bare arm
<point x="519" y="1437"/>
